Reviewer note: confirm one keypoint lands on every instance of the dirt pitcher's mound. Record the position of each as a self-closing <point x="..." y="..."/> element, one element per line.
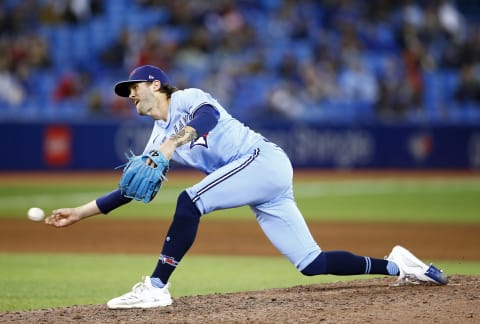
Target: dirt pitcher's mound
<point x="360" y="301"/>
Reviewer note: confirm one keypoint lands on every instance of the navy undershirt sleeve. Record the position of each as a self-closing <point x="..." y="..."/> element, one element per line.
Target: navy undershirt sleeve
<point x="204" y="119"/>
<point x="112" y="200"/>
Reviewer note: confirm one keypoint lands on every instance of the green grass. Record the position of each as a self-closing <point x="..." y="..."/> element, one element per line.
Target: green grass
<point x="398" y="200"/>
<point x="33" y="281"/>
<point x="36" y="281"/>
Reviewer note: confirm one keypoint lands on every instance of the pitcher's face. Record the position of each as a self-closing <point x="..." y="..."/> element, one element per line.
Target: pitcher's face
<point x="143" y="98"/>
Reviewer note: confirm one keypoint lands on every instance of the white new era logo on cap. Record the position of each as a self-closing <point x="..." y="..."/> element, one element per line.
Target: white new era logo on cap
<point x="151" y="77"/>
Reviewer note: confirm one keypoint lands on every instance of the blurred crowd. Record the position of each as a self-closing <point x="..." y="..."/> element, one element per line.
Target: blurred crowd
<point x="302" y="60"/>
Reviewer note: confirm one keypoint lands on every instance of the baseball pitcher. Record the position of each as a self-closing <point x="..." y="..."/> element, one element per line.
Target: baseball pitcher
<point x="242" y="168"/>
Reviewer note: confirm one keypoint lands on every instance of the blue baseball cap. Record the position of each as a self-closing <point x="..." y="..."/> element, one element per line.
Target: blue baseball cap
<point x="144" y="73"/>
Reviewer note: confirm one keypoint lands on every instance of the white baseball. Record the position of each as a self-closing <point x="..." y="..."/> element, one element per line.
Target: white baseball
<point x="35" y="214"/>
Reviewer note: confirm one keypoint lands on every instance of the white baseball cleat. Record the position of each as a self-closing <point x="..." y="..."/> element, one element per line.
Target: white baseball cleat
<point x="412" y="270"/>
<point x="143" y="295"/>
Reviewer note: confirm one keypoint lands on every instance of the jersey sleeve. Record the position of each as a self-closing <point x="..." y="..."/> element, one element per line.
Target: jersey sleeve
<point x="196" y="98"/>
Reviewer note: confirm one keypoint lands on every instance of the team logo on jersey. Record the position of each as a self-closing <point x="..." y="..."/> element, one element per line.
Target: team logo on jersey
<point x="202" y="141"/>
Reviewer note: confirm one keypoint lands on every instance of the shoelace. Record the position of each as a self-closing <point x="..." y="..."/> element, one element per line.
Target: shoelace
<point x="136" y="292"/>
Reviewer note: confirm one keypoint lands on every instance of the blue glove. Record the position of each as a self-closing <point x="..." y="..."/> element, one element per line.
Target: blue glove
<point x="141" y="181"/>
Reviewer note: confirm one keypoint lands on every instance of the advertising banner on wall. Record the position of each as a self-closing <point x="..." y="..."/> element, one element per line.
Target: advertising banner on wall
<point x="57" y="146"/>
<point x="102" y="146"/>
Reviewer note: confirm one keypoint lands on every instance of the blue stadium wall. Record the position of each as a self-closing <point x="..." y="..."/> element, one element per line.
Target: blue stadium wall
<point x="101" y="146"/>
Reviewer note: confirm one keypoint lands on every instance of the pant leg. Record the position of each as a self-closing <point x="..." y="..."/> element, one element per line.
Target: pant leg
<point x="253" y="179"/>
<point x="263" y="181"/>
<point x="284" y="225"/>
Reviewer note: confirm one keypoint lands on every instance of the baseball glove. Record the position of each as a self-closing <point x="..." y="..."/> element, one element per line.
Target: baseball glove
<point x="141" y="181"/>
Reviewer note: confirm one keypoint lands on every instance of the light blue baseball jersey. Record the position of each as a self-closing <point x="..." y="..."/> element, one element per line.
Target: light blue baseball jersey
<point x="243" y="169"/>
<point x="229" y="140"/>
